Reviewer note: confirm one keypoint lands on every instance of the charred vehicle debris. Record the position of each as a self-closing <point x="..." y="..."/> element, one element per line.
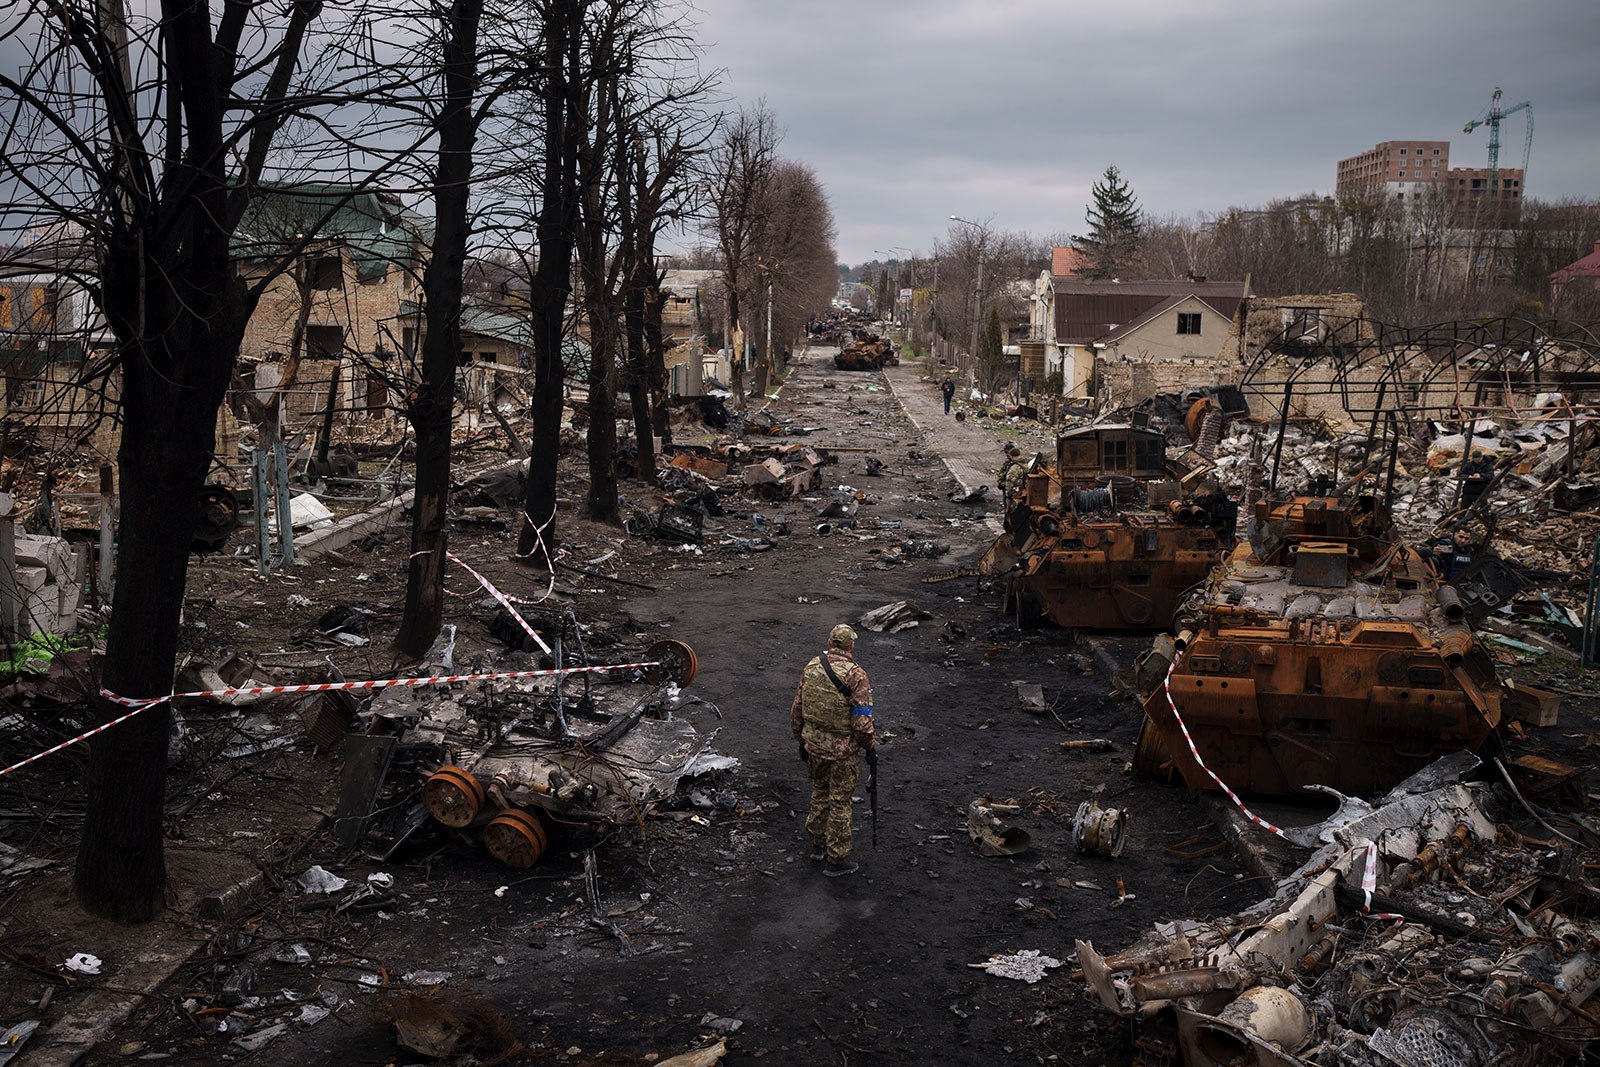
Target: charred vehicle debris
<point x="1286" y="632"/>
<point x="1112" y="535"/>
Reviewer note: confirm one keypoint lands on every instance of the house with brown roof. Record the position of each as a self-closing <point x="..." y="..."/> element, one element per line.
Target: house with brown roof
<point x="1581" y="275"/>
<point x="1145" y="337"/>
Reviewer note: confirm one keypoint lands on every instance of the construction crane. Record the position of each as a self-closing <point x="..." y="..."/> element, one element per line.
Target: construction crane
<point x="1491" y="119"/>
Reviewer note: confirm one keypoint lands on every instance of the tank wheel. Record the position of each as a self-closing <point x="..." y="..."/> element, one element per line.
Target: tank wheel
<point x="674" y="662"/>
<point x="453" y="796"/>
<point x="1150" y="756"/>
<point x="516" y="837"/>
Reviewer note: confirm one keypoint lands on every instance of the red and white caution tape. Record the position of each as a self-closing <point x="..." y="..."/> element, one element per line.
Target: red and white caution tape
<point x="504" y="601"/>
<point x="1369" y="882"/>
<point x="539" y="548"/>
<point x="80" y="737"/>
<point x="1195" y="752"/>
<point x="504" y="598"/>
<point x="139" y="704"/>
<point x="1369" y="874"/>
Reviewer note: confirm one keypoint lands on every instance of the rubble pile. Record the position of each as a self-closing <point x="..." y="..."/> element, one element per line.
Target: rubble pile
<point x="1530" y="455"/>
<point x="1427" y="930"/>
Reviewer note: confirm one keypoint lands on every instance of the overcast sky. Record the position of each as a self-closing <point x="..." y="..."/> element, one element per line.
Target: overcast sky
<point x="1006" y="110"/>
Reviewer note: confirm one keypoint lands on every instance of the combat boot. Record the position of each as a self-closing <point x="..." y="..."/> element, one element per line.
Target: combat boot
<point x="841" y="868"/>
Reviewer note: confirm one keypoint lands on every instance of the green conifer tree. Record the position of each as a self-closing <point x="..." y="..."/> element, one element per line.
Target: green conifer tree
<point x="1115" y="226"/>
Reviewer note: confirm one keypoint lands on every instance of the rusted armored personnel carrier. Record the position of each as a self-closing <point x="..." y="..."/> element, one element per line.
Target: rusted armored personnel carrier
<point x="1324" y="652"/>
<point x="1108" y="539"/>
<point x="869" y="352"/>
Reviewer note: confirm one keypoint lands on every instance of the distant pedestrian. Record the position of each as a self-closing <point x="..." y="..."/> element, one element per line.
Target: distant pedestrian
<point x="1476" y="476"/>
<point x="831" y="718"/>
<point x="949" y="391"/>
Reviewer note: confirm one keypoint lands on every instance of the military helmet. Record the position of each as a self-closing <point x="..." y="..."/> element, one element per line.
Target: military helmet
<point x="842" y="636"/>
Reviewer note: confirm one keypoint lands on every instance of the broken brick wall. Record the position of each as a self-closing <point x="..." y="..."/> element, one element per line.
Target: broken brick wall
<point x="1129" y="381"/>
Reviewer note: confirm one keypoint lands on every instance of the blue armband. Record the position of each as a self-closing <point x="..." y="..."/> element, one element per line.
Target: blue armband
<point x="861" y="709"/>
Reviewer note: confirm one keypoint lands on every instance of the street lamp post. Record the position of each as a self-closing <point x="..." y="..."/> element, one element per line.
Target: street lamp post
<point x="898" y="263"/>
<point x="977" y="319"/>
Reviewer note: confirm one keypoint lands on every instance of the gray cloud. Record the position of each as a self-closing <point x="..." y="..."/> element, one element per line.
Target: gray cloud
<point x="912" y="110"/>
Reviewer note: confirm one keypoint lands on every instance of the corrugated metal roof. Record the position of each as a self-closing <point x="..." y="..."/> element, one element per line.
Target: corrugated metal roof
<point x="379" y="230"/>
<point x="1087" y="311"/>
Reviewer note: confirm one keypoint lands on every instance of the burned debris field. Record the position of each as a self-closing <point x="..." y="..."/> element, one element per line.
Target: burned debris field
<point x="581" y="840"/>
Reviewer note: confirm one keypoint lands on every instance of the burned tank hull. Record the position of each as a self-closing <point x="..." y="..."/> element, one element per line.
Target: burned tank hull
<point x="1107" y="539"/>
<point x="1329" y="658"/>
<point x="1128" y="571"/>
<point x="869" y="353"/>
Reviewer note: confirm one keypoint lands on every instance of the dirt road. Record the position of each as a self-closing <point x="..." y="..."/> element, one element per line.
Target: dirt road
<point x="716" y="921"/>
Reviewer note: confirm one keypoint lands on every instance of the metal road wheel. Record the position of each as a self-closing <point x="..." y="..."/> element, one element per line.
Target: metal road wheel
<point x="516" y="837"/>
<point x="218" y="517"/>
<point x="675" y="662"/>
<point x="453" y="796"/>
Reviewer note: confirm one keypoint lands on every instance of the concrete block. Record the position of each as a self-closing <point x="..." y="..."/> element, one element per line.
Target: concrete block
<point x="31" y="579"/>
<point x="68" y="601"/>
<point x="51" y="553"/>
<point x="39" y="613"/>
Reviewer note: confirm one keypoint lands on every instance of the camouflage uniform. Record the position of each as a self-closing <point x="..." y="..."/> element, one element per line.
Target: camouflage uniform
<point x="1016" y="480"/>
<point x="833" y="729"/>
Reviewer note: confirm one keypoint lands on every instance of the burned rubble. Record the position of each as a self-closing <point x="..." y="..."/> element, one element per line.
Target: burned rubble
<point x="627" y="846"/>
<point x="1450" y="922"/>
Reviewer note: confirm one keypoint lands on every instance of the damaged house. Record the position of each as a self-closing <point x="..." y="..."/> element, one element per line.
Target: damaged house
<point x="342" y="301"/>
<point x="1133" y="339"/>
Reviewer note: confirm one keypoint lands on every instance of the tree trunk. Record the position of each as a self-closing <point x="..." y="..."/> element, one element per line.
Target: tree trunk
<point x="172" y="388"/>
<point x="602" y="418"/>
<point x="638" y="376"/>
<point x="430" y="412"/>
<point x="656" y="355"/>
<point x="564" y="108"/>
<point x="735" y="344"/>
<point x="327" y="414"/>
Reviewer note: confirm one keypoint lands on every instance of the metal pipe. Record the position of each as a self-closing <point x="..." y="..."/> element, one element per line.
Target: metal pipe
<point x="1283" y="425"/>
<point x="1454" y="644"/>
<point x="1450" y="604"/>
<point x="1394" y="453"/>
<point x="561" y="698"/>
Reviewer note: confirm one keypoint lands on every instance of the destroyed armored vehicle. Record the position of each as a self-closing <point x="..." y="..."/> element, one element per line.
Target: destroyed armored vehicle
<point x="869" y="352"/>
<point x="583" y="753"/>
<point x="1323" y="653"/>
<point x="1108" y="539"/>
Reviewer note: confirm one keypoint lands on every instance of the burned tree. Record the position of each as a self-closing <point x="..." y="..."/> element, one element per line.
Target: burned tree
<point x="737" y="172"/>
<point x="155" y="174"/>
<point x="430" y="408"/>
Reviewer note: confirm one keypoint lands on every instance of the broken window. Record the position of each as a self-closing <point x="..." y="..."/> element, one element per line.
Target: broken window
<point x="1079" y="454"/>
<point x="324" y="342"/>
<point x="1303" y="322"/>
<point x="325" y="272"/>
<point x="1147" y="455"/>
<point x="1189" y="322"/>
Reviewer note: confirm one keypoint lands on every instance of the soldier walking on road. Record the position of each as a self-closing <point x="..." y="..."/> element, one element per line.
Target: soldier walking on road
<point x="831" y="718"/>
<point x="949" y="390"/>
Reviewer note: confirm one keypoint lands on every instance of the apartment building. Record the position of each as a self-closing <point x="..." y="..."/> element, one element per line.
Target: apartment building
<point x="1409" y="169"/>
